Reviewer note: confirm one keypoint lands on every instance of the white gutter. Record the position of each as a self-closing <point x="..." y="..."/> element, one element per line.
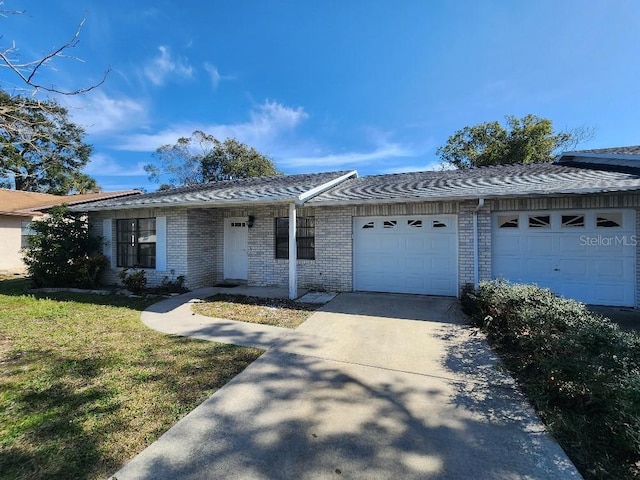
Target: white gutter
<point x="314" y="192"/>
<point x="476" y="247"/>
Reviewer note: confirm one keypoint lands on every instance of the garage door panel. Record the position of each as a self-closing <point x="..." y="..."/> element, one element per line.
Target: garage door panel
<point x="508" y="244"/>
<point x="612" y="268"/>
<point x="439" y="243"/>
<point x="590" y="263"/>
<point x="571" y="244"/>
<point x="540" y="265"/>
<point x="415" y="266"/>
<point x="573" y="267"/>
<point x="411" y="257"/>
<point x="415" y="244"/>
<point x="539" y="244"/>
<point x="439" y="264"/>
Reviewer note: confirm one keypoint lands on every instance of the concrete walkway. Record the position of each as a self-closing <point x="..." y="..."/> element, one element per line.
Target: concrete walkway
<point x="373" y="386"/>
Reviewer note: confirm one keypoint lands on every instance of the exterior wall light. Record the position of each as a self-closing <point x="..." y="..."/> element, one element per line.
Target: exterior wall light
<point x="250" y="221"/>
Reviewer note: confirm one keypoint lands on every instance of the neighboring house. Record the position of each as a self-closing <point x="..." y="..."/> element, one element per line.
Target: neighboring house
<point x="18" y="209"/>
<point x="571" y="225"/>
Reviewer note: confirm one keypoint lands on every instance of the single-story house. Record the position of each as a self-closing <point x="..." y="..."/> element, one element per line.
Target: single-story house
<point x="570" y="225"/>
<point x="18" y="209"/>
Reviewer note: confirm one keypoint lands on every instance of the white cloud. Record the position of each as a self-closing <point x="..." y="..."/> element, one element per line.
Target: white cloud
<point x="214" y="75"/>
<point x="98" y="113"/>
<point x="414" y="168"/>
<point x="104" y="165"/>
<point x="165" y="65"/>
<point x="386" y="151"/>
<point x="266" y="123"/>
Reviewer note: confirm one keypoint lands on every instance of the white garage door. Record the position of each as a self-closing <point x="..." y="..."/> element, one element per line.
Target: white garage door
<point x="586" y="255"/>
<point x="406" y="254"/>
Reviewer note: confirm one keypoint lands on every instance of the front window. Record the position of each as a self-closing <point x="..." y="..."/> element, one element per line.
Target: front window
<point x="305" y="238"/>
<point x="25" y="234"/>
<point x="136" y="242"/>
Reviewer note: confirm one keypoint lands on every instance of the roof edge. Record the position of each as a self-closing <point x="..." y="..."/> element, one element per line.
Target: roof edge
<point x="587" y="157"/>
<point x="462" y="198"/>
<point x="217" y="204"/>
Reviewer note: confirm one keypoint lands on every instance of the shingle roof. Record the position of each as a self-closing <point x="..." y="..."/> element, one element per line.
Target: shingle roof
<point x="486" y="182"/>
<point x="18" y="202"/>
<point x="630" y="150"/>
<point x="258" y="189"/>
<point x="604" y="158"/>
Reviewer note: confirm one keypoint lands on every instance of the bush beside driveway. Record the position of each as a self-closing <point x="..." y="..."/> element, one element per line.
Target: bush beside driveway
<point x="579" y="369"/>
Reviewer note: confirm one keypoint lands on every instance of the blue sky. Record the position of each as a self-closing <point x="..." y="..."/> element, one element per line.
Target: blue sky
<point x="369" y="85"/>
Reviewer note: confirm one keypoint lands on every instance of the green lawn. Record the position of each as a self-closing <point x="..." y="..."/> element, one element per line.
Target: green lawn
<point x="85" y="386"/>
<point x="278" y="312"/>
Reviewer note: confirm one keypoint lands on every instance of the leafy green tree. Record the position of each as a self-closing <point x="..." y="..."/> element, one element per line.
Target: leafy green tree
<point x="41" y="150"/>
<point x="62" y="252"/>
<point x="203" y="158"/>
<point x="529" y="139"/>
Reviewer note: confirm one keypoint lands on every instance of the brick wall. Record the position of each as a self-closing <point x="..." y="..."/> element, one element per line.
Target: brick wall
<point x="195" y="238"/>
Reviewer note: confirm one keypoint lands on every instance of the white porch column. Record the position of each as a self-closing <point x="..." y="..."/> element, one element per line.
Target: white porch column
<point x="293" y="254"/>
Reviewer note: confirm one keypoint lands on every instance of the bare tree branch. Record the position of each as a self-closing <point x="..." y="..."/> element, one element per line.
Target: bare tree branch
<point x="27" y="71"/>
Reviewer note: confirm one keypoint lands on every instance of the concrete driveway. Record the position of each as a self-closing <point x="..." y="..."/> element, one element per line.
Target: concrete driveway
<point x="373" y="386"/>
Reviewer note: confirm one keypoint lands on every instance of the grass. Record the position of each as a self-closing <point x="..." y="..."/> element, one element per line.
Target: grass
<point x="267" y="311"/>
<point x="85" y="386"/>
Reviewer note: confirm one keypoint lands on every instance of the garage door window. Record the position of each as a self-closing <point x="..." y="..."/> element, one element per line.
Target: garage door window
<point x="539" y="221"/>
<point x="508" y="221"/>
<point x="571" y="221"/>
<point x="438" y="224"/>
<point x="390" y="223"/>
<point x="415" y="223"/>
<point x="609" y="220"/>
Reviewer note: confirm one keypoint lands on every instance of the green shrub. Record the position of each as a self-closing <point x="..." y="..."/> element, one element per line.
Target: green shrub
<point x="135" y="281"/>
<point x="579" y="369"/>
<point x="172" y="286"/>
<point x="62" y="253"/>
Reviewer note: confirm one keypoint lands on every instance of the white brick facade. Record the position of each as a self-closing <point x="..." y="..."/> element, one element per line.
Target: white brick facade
<point x="195" y="238"/>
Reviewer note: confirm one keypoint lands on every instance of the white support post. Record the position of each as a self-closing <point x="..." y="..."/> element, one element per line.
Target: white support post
<point x="293" y="254"/>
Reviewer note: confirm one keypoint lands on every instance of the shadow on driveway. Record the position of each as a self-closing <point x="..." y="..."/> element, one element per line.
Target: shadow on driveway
<point x="371" y="387"/>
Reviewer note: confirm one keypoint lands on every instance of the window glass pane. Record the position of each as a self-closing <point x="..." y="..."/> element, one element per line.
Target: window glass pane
<point x="368" y="225"/>
<point x="282" y="248"/>
<point x="282" y="227"/>
<point x="508" y="221"/>
<point x="126" y="255"/>
<point x="439" y="224"/>
<point x="609" y="220"/>
<point x="147" y="224"/>
<point x="389" y="224"/>
<point x="539" y="221"/>
<point x="415" y="223"/>
<point x="147" y="255"/>
<point x="572" y="221"/>
<point x="305" y="237"/>
<point x="136" y="242"/>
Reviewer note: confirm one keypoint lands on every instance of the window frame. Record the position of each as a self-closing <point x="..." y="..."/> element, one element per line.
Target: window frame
<point x="305" y="238"/>
<point x="135" y="233"/>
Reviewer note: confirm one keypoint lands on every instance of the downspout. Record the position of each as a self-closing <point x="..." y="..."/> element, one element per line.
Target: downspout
<point x="293" y="253"/>
<point x="476" y="244"/>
